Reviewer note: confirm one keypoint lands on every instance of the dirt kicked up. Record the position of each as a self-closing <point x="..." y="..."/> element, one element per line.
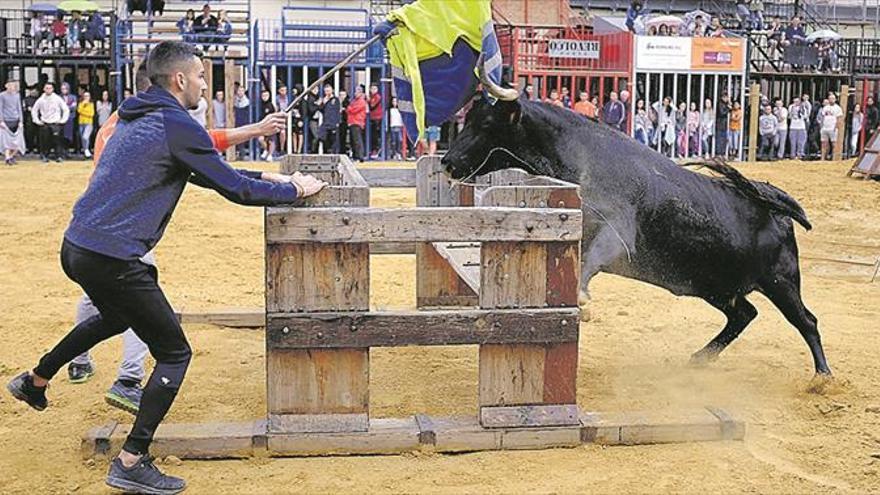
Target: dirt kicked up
<point x="801" y="438"/>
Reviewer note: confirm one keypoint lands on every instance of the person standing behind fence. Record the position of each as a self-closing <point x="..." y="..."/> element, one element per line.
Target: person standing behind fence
<point x="797" y="129"/>
<point x="267" y="143"/>
<point x="831" y="114"/>
<point x="342" y="134"/>
<point x="614" y="113"/>
<point x="377" y="110"/>
<point x="85" y="112"/>
<point x="735" y="134"/>
<point x="781" y="114"/>
<point x="312" y="115"/>
<point x="50" y="113"/>
<point x="219" y="109"/>
<point x="722" y="124"/>
<point x="707" y="128"/>
<point x="332" y="111"/>
<point x="185" y="26"/>
<point x="396" y="122"/>
<point x="68" y="131"/>
<point x="357" y="122"/>
<point x="282" y="99"/>
<point x="104" y="108"/>
<point x="872" y="118"/>
<point x="693" y="129"/>
<point x="858" y="119"/>
<point x="585" y="107"/>
<point x="767" y="124"/>
<point x="205" y="27"/>
<point x="11" y="123"/>
<point x="641" y="123"/>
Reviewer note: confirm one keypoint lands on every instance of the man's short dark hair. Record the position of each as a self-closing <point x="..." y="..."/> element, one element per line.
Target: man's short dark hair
<point x="141" y="76"/>
<point x="167" y="57"/>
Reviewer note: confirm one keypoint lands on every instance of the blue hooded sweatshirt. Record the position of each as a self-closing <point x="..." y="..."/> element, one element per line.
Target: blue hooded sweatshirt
<point x="154" y="151"/>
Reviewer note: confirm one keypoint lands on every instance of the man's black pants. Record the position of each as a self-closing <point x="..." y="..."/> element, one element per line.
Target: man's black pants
<point x="127" y="294"/>
<point x="51" y="138"/>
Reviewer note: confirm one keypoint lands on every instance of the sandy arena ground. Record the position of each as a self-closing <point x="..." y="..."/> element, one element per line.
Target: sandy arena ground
<point x="633" y="356"/>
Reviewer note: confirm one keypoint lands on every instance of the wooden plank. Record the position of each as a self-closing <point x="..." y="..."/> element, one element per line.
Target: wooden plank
<point x="216" y="440"/>
<point x="560" y="372"/>
<point x="464" y="259"/>
<point x="754" y="113"/>
<point x="649" y="427"/>
<point x="97" y="441"/>
<point x="536" y="415"/>
<point x="355" y="225"/>
<point x="385" y="436"/>
<point x="351" y="176"/>
<point x="731" y="428"/>
<point x="513" y="275"/>
<point x="447" y="327"/>
<point x="229" y="73"/>
<point x="427" y="433"/>
<point x="338" y="196"/>
<point x="563" y="273"/>
<point x="233" y="318"/>
<point x="317" y="277"/>
<point x="464" y="434"/>
<point x="393" y="248"/>
<point x="437" y="284"/>
<point x="841" y="141"/>
<point x="511" y="375"/>
<point x="209" y="81"/>
<point x="320" y="381"/>
<point x="540" y="438"/>
<point x="317" y="423"/>
<point x="389" y="177"/>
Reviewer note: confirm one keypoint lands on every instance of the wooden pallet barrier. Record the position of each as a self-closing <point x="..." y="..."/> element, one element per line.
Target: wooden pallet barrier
<point x="497" y="267"/>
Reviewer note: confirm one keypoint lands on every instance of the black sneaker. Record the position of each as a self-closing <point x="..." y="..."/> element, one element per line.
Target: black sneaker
<point x="143" y="477"/>
<point x="22" y="388"/>
<point x="80" y="373"/>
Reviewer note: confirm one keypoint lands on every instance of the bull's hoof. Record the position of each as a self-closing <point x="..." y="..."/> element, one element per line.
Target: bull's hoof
<point x="703" y="357"/>
<point x="824" y="384"/>
<point x="586" y="314"/>
<point x="584" y="305"/>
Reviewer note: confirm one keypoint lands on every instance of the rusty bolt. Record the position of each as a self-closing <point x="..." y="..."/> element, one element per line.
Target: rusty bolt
<point x="320" y="335"/>
<point x="346" y="220"/>
<point x="354" y="328"/>
<point x="285" y="330"/>
<point x="563" y="216"/>
<point x="522" y="204"/>
<point x="313" y="230"/>
<point x="564" y="322"/>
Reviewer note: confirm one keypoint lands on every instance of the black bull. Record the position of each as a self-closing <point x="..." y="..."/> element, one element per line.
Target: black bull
<point x="646" y="218"/>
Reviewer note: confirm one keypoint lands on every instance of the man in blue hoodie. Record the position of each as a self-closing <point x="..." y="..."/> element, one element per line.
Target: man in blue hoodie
<point x="156" y="149"/>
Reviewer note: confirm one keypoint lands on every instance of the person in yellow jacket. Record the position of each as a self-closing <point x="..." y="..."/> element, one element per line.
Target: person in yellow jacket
<point x="85" y="111"/>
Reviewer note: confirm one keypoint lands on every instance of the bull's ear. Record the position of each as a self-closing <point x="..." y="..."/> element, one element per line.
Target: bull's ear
<point x="511" y="110"/>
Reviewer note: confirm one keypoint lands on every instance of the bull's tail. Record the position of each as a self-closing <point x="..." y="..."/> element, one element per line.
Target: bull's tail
<point x="765" y="194"/>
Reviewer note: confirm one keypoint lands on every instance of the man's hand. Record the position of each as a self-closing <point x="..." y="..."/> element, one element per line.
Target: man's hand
<point x="306" y="185"/>
<point x="272" y="124"/>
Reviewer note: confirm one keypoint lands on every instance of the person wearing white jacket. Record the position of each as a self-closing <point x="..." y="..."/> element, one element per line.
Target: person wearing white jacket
<point x="50" y="114"/>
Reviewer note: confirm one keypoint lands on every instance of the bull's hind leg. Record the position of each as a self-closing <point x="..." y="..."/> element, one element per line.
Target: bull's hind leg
<point x="739" y="312"/>
<point x="783" y="288"/>
<point x="786" y="296"/>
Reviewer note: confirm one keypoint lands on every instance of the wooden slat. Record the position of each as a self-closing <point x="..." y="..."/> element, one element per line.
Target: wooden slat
<point x="389" y="177"/>
<point x="316" y="277"/>
<point x="215" y="440"/>
<point x="437" y="284"/>
<point x="464" y="259"/>
<point x="393" y="248"/>
<point x="233" y="318"/>
<point x="209" y="80"/>
<point x="513" y="275"/>
<point x="322" y="225"/>
<point x="537" y="415"/>
<point x="560" y="373"/>
<point x="317" y="423"/>
<point x="384" y="436"/>
<point x="229" y="73"/>
<point x="563" y="273"/>
<point x="447" y="327"/>
<point x="511" y="375"/>
<point x="320" y="381"/>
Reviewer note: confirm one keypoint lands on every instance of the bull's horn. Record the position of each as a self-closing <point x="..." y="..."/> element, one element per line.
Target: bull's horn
<point x="505" y="94"/>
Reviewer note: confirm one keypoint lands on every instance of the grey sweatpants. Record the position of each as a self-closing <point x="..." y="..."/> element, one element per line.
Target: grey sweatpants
<point x="134" y="351"/>
<point x="798" y="139"/>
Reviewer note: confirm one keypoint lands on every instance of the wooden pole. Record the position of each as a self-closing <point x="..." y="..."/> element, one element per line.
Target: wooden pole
<point x="841" y="123"/>
<point x="754" y="113"/>
<point x="209" y="79"/>
<point x="229" y="73"/>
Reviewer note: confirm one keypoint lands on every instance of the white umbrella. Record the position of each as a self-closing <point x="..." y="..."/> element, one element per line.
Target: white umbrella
<point x="669" y="20"/>
<point x="823" y="34"/>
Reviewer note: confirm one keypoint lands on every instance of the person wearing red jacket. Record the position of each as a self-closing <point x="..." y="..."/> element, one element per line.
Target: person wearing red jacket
<point x="376" y="113"/>
<point x="357" y="121"/>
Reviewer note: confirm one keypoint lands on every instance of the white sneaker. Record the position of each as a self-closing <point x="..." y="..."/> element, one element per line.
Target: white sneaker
<point x="264" y="155"/>
<point x="87" y="153"/>
<point x="270" y="158"/>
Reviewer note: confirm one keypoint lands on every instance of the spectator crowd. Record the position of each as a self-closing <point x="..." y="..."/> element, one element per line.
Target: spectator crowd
<point x="70" y="34"/>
